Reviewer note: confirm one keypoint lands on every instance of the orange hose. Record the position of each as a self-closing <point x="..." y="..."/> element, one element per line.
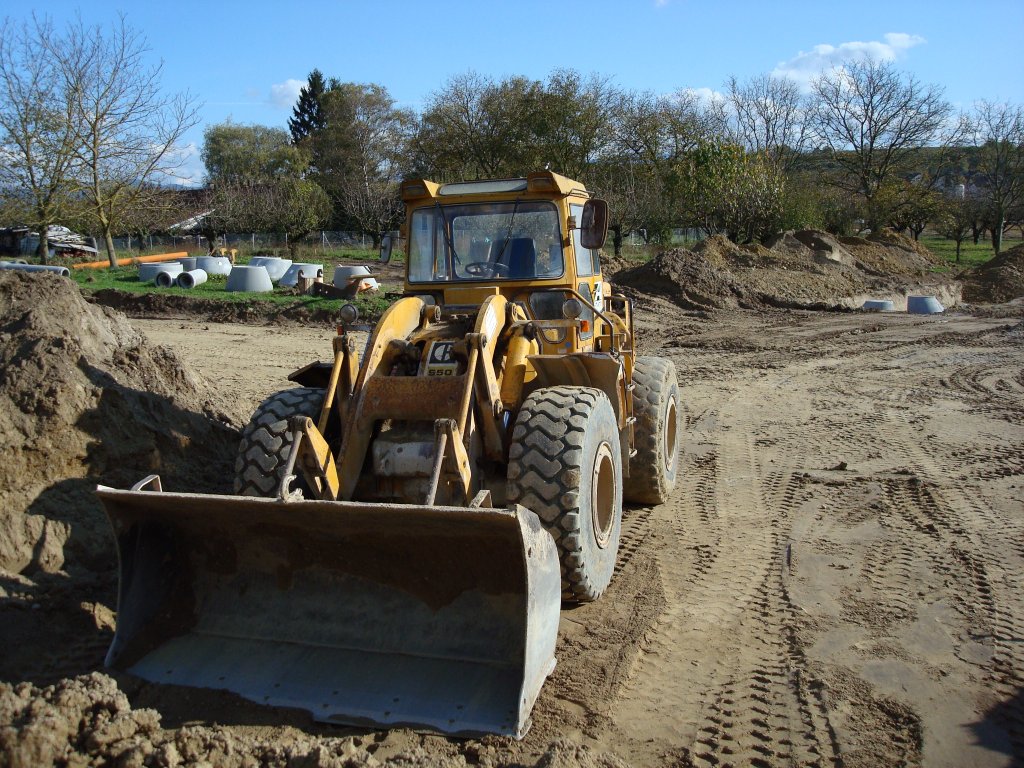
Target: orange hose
<point x="132" y="260"/>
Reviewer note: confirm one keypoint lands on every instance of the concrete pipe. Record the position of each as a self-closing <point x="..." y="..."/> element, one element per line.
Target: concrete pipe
<point x="21" y="267"/>
<point x="192" y="278"/>
<point x="276" y="267"/>
<point x="164" y="279"/>
<point x="188" y="263"/>
<point x="249" y="278"/>
<point x="297" y="270"/>
<point x="343" y="274"/>
<point x="880" y="305"/>
<point x="214" y="265"/>
<point x="924" y="305"/>
<point x="150" y="272"/>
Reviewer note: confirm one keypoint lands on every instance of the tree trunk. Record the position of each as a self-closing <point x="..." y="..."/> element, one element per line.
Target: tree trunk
<point x="997" y="231"/>
<point x="958" y="251"/>
<point x="108" y="240"/>
<point x="43" y="249"/>
<point x="617" y="239"/>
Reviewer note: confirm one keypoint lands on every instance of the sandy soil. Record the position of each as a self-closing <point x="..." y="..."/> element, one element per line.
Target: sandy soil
<point x="835" y="581"/>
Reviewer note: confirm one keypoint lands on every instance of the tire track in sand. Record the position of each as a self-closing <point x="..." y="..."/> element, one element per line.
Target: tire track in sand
<point x="721" y="672"/>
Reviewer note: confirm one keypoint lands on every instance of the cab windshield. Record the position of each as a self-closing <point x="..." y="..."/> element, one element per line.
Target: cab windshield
<point x="485" y="241"/>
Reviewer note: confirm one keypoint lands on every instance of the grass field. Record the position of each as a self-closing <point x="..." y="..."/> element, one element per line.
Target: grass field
<point x="971" y="255"/>
<point x="127" y="279"/>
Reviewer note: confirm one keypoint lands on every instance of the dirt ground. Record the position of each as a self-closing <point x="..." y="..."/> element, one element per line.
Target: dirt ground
<point x="836" y="580"/>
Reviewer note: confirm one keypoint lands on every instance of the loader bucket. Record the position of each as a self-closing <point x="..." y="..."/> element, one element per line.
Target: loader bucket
<point x="376" y="615"/>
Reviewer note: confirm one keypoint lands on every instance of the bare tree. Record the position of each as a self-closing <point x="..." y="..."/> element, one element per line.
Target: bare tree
<point x="769" y="114"/>
<point x="999" y="136"/>
<point x="127" y="130"/>
<point x="37" y="142"/>
<point x="871" y="119"/>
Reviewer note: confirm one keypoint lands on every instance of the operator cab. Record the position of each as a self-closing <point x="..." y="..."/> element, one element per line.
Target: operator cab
<point x="515" y="240"/>
<point x="534" y="240"/>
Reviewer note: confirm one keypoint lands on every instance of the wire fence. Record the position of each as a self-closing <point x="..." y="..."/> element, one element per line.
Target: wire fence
<point x="326" y="240"/>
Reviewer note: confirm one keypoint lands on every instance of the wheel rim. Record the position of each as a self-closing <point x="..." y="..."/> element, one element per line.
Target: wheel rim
<point x="602" y="492"/>
<point x="671" y="435"/>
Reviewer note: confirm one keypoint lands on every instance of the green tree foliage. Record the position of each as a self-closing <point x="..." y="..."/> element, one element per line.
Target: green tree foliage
<point x="955" y="217"/>
<point x="912" y="203"/>
<point x="240" y="153"/>
<point x="476" y="127"/>
<point x="290" y="206"/>
<point x="308" y="118"/>
<point x="573" y="128"/>
<point x="728" y="190"/>
<point x="359" y="156"/>
<point x="654" y="138"/>
<point x="255" y="183"/>
<point x="298" y="207"/>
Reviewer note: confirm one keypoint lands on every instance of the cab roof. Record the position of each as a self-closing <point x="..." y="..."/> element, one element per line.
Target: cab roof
<point x="544" y="182"/>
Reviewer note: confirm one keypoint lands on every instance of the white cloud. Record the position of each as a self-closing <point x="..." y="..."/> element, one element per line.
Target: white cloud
<point x="807" y="65"/>
<point x="705" y="96"/>
<point x="284" y="94"/>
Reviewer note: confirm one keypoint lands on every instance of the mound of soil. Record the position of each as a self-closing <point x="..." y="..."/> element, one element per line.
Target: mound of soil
<point x="161" y="305"/>
<point x="686" y="278"/>
<point x="85" y="399"/>
<point x="88" y="720"/>
<point x="998" y="280"/>
<point x="804" y="270"/>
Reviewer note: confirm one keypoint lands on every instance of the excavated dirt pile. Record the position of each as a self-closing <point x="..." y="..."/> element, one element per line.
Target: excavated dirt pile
<point x="804" y="270"/>
<point x="998" y="280"/>
<point x="84" y="398"/>
<point x="89" y="721"/>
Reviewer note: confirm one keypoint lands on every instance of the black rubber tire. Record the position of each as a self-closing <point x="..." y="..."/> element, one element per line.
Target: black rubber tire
<point x="561" y="436"/>
<point x="266" y="440"/>
<point x="655" y="467"/>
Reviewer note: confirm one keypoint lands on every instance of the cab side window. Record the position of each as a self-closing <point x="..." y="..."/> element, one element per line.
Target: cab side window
<point x="586" y="259"/>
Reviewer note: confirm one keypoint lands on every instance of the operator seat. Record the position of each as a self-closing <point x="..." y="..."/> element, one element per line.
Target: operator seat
<point x="520" y="257"/>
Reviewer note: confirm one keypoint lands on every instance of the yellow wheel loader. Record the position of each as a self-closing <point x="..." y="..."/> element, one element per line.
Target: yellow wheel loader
<point x="408" y="521"/>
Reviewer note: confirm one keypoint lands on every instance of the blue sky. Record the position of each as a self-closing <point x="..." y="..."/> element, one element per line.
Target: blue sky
<point x="246" y="60"/>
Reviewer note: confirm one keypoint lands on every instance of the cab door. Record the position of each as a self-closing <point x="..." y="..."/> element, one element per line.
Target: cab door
<point x="588" y="282"/>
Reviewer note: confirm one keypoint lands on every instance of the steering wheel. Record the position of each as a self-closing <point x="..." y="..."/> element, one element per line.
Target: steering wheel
<point x="487" y="269"/>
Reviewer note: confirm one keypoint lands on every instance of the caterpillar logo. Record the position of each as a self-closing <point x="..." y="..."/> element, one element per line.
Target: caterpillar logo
<point x="440" y="360"/>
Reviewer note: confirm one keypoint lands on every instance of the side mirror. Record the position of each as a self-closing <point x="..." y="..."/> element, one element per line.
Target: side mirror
<point x="594" y="227"/>
<point x="385" y="249"/>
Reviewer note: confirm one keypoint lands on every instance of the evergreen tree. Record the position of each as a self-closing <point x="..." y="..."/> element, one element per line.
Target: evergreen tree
<point x="308" y="116"/>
